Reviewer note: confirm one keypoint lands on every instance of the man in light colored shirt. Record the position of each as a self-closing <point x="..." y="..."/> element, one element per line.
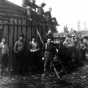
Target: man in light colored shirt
<point x="4" y="53"/>
<point x="33" y="45"/>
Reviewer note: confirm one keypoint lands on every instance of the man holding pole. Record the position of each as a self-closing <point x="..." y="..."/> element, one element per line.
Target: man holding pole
<point x="50" y="52"/>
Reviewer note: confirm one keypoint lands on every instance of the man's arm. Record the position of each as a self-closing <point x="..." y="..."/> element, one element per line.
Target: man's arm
<point x="15" y="47"/>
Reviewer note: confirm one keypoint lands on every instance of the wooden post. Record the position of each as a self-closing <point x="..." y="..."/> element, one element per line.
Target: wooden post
<point x="56" y="72"/>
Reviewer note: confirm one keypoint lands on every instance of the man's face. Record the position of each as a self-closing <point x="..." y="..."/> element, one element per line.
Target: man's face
<point x="50" y="9"/>
<point x="49" y="40"/>
<point x="3" y="40"/>
<point x="20" y="38"/>
<point x="84" y="40"/>
<point x="75" y="39"/>
<point x="33" y="39"/>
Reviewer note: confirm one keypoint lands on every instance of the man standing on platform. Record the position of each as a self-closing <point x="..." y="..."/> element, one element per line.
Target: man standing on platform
<point x="41" y="10"/>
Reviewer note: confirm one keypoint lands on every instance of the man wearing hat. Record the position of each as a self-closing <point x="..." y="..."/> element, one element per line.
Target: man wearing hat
<point x="40" y="9"/>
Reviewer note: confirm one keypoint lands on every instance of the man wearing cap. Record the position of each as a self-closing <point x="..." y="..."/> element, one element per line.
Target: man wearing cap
<point x="40" y="9"/>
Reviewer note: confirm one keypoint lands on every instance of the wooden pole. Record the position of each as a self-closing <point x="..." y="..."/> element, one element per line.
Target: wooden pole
<point x="56" y="72"/>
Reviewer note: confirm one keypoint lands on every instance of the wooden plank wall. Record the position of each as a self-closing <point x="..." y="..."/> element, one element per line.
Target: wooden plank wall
<point x="12" y="31"/>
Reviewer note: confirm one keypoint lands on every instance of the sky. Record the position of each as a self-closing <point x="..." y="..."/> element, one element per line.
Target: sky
<point x="67" y="12"/>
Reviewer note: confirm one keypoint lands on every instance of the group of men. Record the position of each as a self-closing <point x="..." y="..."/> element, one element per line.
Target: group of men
<point x="29" y="57"/>
<point x="70" y="53"/>
<point x="24" y="57"/>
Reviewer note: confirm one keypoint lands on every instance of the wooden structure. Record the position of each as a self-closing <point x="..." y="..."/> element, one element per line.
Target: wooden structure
<point x="14" y="21"/>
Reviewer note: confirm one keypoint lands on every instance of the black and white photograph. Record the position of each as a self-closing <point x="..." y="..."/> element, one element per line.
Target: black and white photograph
<point x="43" y="44"/>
